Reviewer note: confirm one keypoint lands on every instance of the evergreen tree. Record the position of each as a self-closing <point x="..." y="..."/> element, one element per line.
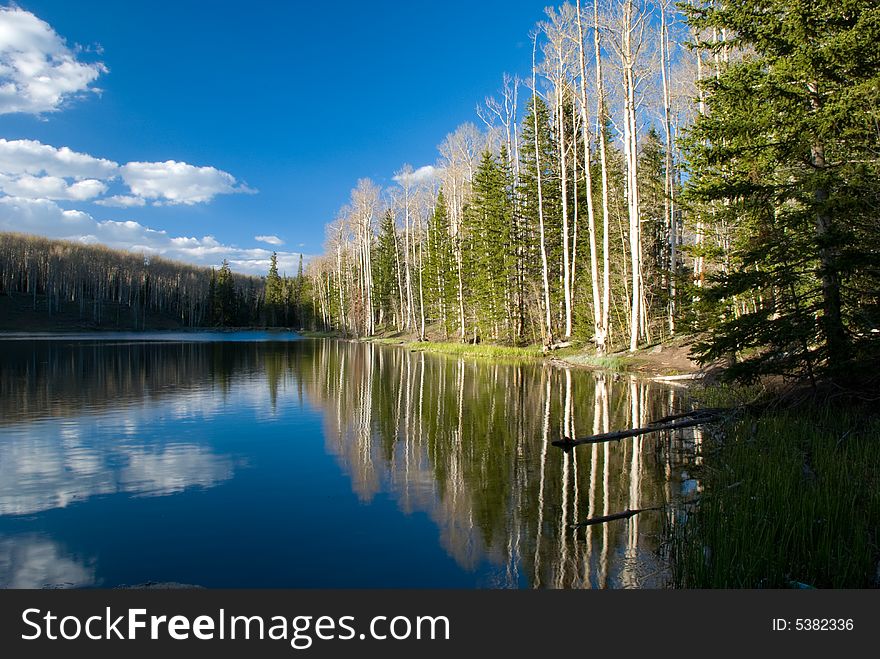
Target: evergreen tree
<point x="784" y="167"/>
<point x="487" y="241"/>
<point x="225" y="297"/>
<point x="440" y="282"/>
<point x="385" y="259"/>
<point x="655" y="241"/>
<point x="274" y="296"/>
<point x="297" y="301"/>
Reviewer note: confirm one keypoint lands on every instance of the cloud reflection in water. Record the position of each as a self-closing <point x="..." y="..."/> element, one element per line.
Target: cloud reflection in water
<point x="30" y="561"/>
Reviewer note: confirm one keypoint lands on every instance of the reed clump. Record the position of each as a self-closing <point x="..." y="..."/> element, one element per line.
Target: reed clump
<point x="790" y="498"/>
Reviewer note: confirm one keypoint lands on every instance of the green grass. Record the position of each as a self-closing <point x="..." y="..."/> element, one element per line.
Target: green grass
<point x="727" y="395"/>
<point x="477" y="350"/>
<point x="790" y="497"/>
<point x="606" y="362"/>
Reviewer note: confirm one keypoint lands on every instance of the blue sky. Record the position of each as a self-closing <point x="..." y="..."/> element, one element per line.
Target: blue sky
<point x="288" y="103"/>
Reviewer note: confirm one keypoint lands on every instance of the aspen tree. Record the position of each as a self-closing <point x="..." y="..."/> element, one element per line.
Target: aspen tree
<point x="598" y="312"/>
<point x="548" y="335"/>
<point x="669" y="184"/>
<point x="555" y="30"/>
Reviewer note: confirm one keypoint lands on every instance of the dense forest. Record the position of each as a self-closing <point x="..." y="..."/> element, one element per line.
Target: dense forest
<point x="100" y="287"/>
<point x="704" y="167"/>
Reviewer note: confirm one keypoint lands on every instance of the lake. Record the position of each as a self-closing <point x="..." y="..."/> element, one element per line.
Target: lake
<point x="269" y="460"/>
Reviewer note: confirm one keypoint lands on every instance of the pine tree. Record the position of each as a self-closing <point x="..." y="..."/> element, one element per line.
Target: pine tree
<point x="384" y="262"/>
<point x="784" y="167"/>
<point x="440" y="273"/>
<point x="226" y="297"/>
<point x="298" y="290"/>
<point x="487" y="240"/>
<point x="274" y="296"/>
<point x="656" y="265"/>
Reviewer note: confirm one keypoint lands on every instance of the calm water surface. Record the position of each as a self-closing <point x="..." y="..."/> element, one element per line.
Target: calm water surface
<point x="253" y="460"/>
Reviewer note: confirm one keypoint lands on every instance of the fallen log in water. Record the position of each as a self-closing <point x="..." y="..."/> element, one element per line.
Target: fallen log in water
<point x="626" y="514"/>
<point x="674" y="422"/>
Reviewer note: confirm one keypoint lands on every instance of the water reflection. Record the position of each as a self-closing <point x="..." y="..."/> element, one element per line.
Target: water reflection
<point x="44" y="379"/>
<point x="46" y="466"/>
<point x="469" y="443"/>
<point x="29" y="561"/>
<point x="466" y="444"/>
<point x="48" y="472"/>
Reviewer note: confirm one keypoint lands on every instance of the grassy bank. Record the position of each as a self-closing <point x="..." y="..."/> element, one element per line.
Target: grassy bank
<point x="669" y="358"/>
<point x="791" y="497"/>
<point x="484" y="350"/>
<point x="479" y="350"/>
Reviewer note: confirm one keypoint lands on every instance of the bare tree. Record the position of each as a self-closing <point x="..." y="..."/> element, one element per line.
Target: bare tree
<point x="505" y="112"/>
<point x="558" y="56"/>
<point x="364" y="210"/>
<point x="629" y="26"/>
<point x="668" y="183"/>
<point x="548" y="336"/>
<point x="599" y="331"/>
<point x="404" y="178"/>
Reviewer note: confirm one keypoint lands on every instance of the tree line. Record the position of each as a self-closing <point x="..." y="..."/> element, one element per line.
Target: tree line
<point x="709" y="166"/>
<point x="110" y="287"/>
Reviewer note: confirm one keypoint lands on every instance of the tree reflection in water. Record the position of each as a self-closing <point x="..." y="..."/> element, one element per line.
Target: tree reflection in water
<point x="469" y="443"/>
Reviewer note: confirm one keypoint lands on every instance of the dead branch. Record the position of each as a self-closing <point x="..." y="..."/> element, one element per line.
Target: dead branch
<point x="674" y="422"/>
<point x="626" y="514"/>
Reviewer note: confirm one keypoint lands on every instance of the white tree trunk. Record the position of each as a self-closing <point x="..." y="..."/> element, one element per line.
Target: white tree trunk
<point x="668" y="187"/>
<point x="603" y="337"/>
<point x="598" y="332"/>
<point x="544" y="270"/>
<point x="631" y="148"/>
<point x="563" y="168"/>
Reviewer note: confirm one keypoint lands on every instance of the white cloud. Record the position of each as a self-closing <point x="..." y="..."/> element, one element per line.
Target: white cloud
<point x="19" y="157"/>
<point x="50" y="187"/>
<point x="178" y="182"/>
<point x="269" y="240"/>
<point x="37" y="69"/>
<point x="37" y="171"/>
<point x="121" y="201"/>
<point x="44" y="217"/>
<point x="420" y="175"/>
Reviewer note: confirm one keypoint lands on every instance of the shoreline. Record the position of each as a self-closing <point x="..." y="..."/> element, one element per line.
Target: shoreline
<point x="664" y="362"/>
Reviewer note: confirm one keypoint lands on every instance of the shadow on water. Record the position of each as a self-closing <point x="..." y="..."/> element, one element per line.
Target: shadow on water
<point x="439" y="469"/>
